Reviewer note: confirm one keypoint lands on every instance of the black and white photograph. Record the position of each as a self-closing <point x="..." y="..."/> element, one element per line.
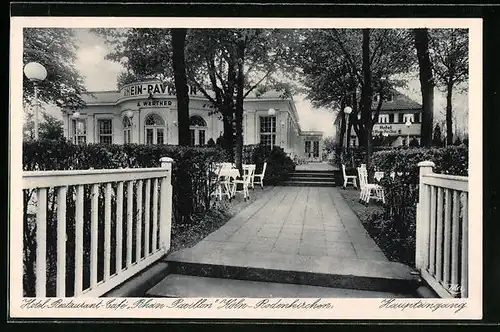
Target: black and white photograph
<point x="216" y="167"/>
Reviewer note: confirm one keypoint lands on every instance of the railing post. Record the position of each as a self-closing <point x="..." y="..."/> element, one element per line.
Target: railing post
<point x="165" y="223"/>
<point x="422" y="225"/>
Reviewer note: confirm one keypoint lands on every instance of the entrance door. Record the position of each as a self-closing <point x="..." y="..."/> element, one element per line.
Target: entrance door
<point x="316" y="149"/>
<point x="307" y="149"/>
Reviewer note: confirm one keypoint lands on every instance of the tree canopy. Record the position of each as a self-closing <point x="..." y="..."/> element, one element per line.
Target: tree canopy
<point x="55" y="49"/>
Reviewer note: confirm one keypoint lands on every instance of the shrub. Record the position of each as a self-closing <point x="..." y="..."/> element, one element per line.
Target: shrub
<point x="395" y="228"/>
<point x="279" y="165"/>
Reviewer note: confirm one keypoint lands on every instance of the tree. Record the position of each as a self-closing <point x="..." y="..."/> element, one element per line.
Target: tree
<point x="55" y="49"/>
<point x="181" y="88"/>
<point x="437" y="138"/>
<point x="450" y="54"/>
<point x="225" y="65"/>
<point x="342" y="64"/>
<point x="51" y="128"/>
<point x="421" y="40"/>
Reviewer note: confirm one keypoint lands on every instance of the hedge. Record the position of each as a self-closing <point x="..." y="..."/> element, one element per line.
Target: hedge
<point x="395" y="228"/>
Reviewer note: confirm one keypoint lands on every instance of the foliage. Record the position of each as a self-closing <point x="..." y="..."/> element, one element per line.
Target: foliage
<point x="55" y="49"/>
<point x="50" y="128"/>
<point x="450" y="160"/>
<point x="437" y="136"/>
<point x="449" y="49"/>
<point x="63" y="155"/>
<point x="225" y="65"/>
<point x="394" y="229"/>
<point x="279" y="165"/>
<point x="335" y="69"/>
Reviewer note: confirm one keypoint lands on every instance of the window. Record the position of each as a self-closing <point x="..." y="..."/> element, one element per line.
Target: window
<point x="155" y="129"/>
<point x="105" y="131"/>
<point x="417" y="117"/>
<point x="197" y="128"/>
<point x="268" y="131"/>
<point x="79" y="131"/>
<point x="307" y="148"/>
<point x="391" y="118"/>
<point x="127" y="130"/>
<point x="400" y="117"/>
<point x="383" y="118"/>
<point x="408" y="117"/>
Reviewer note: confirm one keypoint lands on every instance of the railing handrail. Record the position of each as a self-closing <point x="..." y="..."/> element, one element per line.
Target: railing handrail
<point x="454" y="182"/>
<point x="46" y="179"/>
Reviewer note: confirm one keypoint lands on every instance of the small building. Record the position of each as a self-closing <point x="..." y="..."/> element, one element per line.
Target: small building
<point x="146" y="113"/>
<point x="397" y="109"/>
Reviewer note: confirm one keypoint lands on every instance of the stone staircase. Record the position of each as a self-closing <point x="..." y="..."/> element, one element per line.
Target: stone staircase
<point x="313" y="178"/>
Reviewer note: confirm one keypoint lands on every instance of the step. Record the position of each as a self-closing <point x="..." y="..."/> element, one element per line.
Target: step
<point x="310" y="179"/>
<point x="182" y="286"/>
<point x="315" y="174"/>
<point x="309" y="176"/>
<point x="321" y="271"/>
<point x="308" y="184"/>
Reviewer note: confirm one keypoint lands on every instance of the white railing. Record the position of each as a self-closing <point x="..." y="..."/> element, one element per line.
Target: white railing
<point x="442" y="231"/>
<point x="92" y="212"/>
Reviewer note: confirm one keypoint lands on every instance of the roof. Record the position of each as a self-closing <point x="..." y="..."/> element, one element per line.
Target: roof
<point x="399" y="102"/>
<point x="101" y="96"/>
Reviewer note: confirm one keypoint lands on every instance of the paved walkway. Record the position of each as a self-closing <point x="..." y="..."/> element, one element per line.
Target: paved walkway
<point x="296" y="220"/>
<point x="298" y="235"/>
<point x="322" y="166"/>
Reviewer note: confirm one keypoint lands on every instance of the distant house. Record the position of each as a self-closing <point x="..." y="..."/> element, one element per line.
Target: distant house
<point x="396" y="110"/>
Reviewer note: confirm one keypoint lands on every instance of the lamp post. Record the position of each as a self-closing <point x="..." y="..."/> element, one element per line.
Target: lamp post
<point x="347" y="111"/>
<point x="408" y="125"/>
<point x="36" y="73"/>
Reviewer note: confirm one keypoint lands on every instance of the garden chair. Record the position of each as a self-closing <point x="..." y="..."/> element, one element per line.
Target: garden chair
<point x="245" y="182"/>
<point x="260" y="177"/>
<point x="224" y="183"/>
<point x="250" y="169"/>
<point x="369" y="190"/>
<point x="348" y="179"/>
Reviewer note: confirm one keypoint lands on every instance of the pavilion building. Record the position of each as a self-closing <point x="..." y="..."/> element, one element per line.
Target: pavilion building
<point x="146" y="113"/>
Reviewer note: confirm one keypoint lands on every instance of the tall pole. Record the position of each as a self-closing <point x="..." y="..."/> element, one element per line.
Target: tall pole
<point x="346" y="130"/>
<point x="36" y="111"/>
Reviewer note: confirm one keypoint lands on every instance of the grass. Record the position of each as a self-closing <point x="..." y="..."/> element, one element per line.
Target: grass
<point x="208" y="222"/>
<point x="363" y="212"/>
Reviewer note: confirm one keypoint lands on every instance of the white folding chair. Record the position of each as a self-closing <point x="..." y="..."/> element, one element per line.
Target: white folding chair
<point x="259" y="178"/>
<point x="348" y="179"/>
<point x="369" y="190"/>
<point x="245" y="182"/>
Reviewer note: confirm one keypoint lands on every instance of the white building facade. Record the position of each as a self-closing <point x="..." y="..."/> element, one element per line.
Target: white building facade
<point x="146" y="113"/>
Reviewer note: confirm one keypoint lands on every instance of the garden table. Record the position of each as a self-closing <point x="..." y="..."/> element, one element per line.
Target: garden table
<point x="227" y="175"/>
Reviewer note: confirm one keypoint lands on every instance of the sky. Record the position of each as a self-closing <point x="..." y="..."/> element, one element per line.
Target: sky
<point x="100" y="75"/>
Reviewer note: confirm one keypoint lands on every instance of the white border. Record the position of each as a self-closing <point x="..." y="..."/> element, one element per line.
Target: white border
<point x="343" y="308"/>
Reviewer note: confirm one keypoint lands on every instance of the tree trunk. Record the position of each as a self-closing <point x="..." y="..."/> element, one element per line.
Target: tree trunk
<point x="181" y="89"/>
<point x="228" y="134"/>
<point x="426" y="85"/>
<point x="366" y="95"/>
<point x="240" y="81"/>
<point x="185" y="190"/>
<point x="449" y="119"/>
